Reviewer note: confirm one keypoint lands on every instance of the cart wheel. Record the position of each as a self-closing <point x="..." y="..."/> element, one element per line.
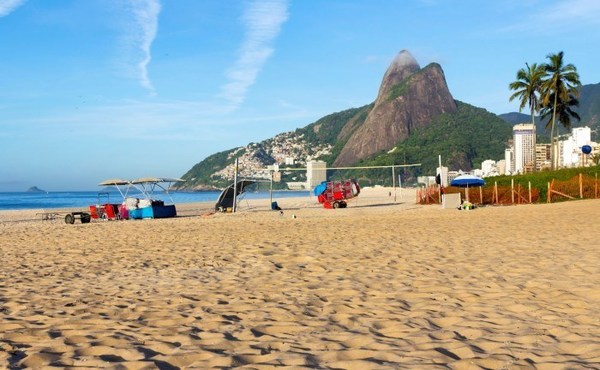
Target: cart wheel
<point x="343" y="204"/>
<point x="85" y="218"/>
<point x="69" y="219"/>
<point x="336" y="205"/>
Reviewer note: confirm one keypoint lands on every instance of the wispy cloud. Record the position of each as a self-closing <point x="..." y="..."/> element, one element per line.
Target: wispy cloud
<point x="7" y="6"/>
<point x="141" y="34"/>
<point x="559" y="15"/>
<point x="138" y="120"/>
<point x="263" y="21"/>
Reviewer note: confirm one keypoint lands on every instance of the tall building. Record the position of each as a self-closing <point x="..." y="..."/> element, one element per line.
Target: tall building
<point x="542" y="156"/>
<point x="582" y="136"/>
<point x="524" y="147"/>
<point x="316" y="172"/>
<point x="509" y="161"/>
<point x="570" y="148"/>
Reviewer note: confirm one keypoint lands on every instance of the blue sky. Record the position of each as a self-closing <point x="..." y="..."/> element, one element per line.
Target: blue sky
<point x="99" y="89"/>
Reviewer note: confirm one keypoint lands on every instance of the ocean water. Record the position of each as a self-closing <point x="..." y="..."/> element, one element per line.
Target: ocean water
<point x="75" y="199"/>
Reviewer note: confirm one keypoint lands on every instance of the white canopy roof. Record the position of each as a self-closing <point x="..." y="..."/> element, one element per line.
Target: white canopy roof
<point x="114" y="182"/>
<point x="155" y="179"/>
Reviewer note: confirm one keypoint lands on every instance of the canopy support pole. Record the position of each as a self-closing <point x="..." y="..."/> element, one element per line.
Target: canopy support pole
<point x="394" y="182"/>
<point x="271" y="191"/>
<point x="235" y="175"/>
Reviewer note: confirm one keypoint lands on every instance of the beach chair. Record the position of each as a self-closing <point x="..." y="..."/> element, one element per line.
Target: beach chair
<point x="123" y="212"/>
<point x="109" y="212"/>
<point x="94" y="213"/>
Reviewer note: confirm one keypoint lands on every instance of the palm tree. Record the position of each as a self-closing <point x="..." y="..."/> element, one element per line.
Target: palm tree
<point x="559" y="87"/>
<point x="527" y="87"/>
<point x="564" y="111"/>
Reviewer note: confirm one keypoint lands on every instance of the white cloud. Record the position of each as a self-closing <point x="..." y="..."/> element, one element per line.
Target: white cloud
<point x="263" y="21"/>
<point x="141" y="32"/>
<point x="572" y="11"/>
<point x="7" y="6"/>
<point x="559" y="15"/>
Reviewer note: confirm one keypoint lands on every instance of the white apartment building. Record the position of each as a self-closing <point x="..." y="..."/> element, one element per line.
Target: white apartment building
<point x="509" y="161"/>
<point x="489" y="168"/>
<point x="582" y="136"/>
<point x="524" y="147"/>
<point x="501" y="166"/>
<point x="316" y="173"/>
<point x="570" y="149"/>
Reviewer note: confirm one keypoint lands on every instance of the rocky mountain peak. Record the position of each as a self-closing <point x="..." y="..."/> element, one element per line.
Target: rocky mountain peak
<point x="409" y="98"/>
<point x="403" y="66"/>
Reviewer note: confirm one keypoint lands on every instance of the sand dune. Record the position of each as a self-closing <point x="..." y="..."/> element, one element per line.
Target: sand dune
<point x="379" y="285"/>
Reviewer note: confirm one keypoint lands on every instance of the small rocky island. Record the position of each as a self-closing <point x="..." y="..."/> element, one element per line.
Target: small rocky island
<point x="35" y="189"/>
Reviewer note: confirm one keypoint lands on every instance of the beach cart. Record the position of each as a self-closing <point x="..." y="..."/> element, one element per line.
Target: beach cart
<point x="70" y="217"/>
<point x="84" y="217"/>
<point x="335" y="194"/>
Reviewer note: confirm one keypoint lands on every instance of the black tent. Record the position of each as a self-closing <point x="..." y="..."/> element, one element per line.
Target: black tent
<point x="226" y="198"/>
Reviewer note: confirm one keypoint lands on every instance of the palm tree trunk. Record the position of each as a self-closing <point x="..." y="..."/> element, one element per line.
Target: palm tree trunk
<point x="533" y="123"/>
<point x="552" y="149"/>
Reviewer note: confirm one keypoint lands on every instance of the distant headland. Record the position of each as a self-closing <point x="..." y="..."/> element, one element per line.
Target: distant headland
<point x="35" y="189"/>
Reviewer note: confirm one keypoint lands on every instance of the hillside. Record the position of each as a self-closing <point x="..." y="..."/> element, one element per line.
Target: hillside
<point x="321" y="140"/>
<point x="464" y="139"/>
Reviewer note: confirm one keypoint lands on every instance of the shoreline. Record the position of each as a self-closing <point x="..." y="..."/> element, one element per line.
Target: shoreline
<point x="186" y="209"/>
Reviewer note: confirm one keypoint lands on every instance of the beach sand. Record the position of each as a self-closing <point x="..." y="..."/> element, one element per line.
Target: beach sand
<point x="378" y="285"/>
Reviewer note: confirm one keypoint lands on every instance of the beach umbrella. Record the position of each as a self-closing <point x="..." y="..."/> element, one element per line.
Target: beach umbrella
<point x="467" y="181"/>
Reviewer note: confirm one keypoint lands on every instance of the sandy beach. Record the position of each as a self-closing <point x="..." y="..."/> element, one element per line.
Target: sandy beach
<point x="378" y="285"/>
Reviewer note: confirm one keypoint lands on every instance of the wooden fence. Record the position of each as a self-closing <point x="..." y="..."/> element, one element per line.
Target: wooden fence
<point x="578" y="187"/>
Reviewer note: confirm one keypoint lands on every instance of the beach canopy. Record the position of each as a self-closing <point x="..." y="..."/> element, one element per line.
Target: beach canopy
<point x="467" y="181"/>
<point x="155" y="180"/>
<point x="145" y="185"/>
<point x="114" y="182"/>
<point x="226" y="198"/>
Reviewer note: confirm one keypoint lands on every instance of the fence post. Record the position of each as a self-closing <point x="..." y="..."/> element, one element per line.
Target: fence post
<point x="529" y="192"/>
<point x="596" y="186"/>
<point x="549" y="194"/>
<point x="512" y="190"/>
<point x="496" y="191"/>
<point x="581" y="186"/>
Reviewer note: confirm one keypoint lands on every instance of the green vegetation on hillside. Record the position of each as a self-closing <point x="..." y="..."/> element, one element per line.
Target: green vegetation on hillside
<point x="202" y="171"/>
<point x="327" y="129"/>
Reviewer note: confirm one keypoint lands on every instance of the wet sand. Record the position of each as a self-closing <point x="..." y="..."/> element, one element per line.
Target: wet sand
<point x="378" y="285"/>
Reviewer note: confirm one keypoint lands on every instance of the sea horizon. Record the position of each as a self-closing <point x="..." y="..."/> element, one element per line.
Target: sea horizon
<point x="24" y="200"/>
